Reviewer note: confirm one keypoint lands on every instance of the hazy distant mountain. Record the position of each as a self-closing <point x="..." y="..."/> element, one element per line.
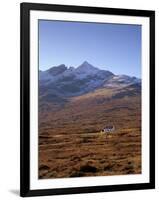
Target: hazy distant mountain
<point x="60" y="82"/>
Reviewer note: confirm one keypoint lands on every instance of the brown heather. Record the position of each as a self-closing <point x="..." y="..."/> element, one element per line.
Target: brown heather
<point x="70" y="142"/>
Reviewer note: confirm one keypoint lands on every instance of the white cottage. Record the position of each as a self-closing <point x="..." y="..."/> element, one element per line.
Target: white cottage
<point x="108" y="129"/>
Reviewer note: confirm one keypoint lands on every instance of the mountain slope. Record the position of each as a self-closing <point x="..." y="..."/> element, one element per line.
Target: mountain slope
<point x="70" y="141"/>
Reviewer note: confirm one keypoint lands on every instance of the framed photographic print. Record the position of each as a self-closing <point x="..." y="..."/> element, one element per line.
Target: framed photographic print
<point x="87" y="99"/>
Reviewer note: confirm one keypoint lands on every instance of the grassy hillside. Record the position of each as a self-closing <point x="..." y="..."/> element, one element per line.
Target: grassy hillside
<point x="70" y="142"/>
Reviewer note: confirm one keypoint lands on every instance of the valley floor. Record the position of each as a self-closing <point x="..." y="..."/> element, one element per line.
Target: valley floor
<point x="71" y="145"/>
<point x="90" y="154"/>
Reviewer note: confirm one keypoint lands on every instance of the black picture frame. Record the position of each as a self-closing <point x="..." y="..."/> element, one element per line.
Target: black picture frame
<point x="25" y="9"/>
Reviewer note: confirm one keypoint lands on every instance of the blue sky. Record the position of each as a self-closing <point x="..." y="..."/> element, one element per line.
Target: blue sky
<point x="113" y="47"/>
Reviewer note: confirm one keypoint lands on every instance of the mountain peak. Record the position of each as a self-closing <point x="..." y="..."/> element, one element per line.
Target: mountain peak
<point x="86" y="67"/>
<point x="57" y="69"/>
<point x="85" y="63"/>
